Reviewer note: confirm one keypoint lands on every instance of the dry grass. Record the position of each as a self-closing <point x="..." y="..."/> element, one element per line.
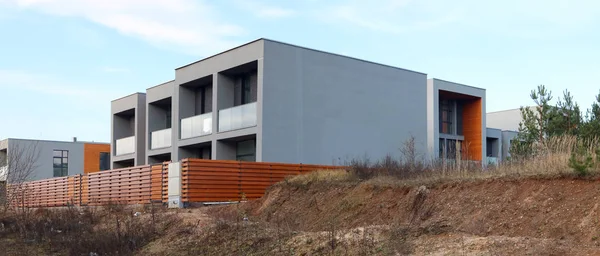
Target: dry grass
<point x="320" y="177"/>
<point x="549" y="160"/>
<point x="111" y="230"/>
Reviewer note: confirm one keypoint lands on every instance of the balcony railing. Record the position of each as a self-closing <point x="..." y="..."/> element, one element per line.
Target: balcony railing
<point x="125" y="146"/>
<point x="196" y="126"/>
<point x="3" y="172"/>
<point x="161" y="139"/>
<point x="238" y="117"/>
<point x="492" y="160"/>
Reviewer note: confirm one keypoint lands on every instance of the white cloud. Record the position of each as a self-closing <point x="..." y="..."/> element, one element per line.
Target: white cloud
<point x="399" y="16"/>
<point x="189" y="25"/>
<point x="19" y="80"/>
<point x="263" y="10"/>
<point x="274" y="12"/>
<point x="388" y="16"/>
<point x="115" y="70"/>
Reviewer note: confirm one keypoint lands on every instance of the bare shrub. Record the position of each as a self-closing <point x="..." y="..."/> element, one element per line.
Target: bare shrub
<point x="81" y="231"/>
<point x="20" y="162"/>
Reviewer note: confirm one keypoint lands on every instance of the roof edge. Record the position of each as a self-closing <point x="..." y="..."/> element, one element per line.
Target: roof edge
<point x="344" y="56"/>
<point x="135" y="93"/>
<point x="470" y="86"/>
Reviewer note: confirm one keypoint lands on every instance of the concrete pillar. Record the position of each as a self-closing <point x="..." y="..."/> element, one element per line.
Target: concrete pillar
<point x="174" y="190"/>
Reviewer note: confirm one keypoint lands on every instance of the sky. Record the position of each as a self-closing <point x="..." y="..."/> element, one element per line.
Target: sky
<point x="63" y="61"/>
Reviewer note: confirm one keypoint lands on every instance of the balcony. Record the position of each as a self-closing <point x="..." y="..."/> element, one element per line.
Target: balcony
<point x="3" y="172"/>
<point x="492" y="160"/>
<point x="160" y="139"/>
<point x="125" y="146"/>
<point x="196" y="126"/>
<point x="238" y="117"/>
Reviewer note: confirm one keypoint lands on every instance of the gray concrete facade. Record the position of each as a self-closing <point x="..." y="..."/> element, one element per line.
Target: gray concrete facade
<point x="128" y="120"/>
<point x="434" y="88"/>
<point x="506" y="120"/>
<point x="42" y="153"/>
<point x="493" y="145"/>
<point x="289" y="104"/>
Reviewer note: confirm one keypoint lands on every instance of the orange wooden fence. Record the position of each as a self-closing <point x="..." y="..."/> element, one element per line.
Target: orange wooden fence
<point x="201" y="181"/>
<point x="222" y="181"/>
<point x="42" y="193"/>
<point x="160" y="174"/>
<point x="126" y="185"/>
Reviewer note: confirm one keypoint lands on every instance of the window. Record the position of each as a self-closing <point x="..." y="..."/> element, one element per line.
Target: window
<point x="449" y="148"/>
<point x="446" y="117"/>
<point x="61" y="163"/>
<point x="104" y="161"/>
<point x="453" y="147"/>
<point x="246" y="90"/>
<point x="168" y="117"/>
<point x="246" y="151"/>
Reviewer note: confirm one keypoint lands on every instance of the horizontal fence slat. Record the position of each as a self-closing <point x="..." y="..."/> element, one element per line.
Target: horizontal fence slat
<point x="201" y="181"/>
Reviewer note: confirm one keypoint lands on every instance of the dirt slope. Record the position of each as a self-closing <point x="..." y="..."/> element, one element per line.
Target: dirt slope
<point x="494" y="217"/>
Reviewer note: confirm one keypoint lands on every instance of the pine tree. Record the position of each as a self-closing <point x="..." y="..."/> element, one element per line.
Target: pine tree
<point x="534" y="125"/>
<point x="591" y="127"/>
<point x="565" y="118"/>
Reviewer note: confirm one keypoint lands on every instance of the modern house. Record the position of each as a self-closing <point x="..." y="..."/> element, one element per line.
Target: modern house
<point x="277" y="102"/>
<point x="44" y="159"/>
<point x="506" y="124"/>
<point x="506" y="120"/>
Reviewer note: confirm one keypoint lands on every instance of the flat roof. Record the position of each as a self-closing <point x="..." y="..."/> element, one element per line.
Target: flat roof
<point x="507" y="110"/>
<point x="474" y="87"/>
<point x="301" y="47"/>
<point x="57" y="141"/>
<point x="135" y="93"/>
<point x="160" y="84"/>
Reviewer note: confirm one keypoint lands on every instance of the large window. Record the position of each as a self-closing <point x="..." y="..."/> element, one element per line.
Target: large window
<point x="104" y="161"/>
<point x="61" y="163"/>
<point x="447" y="117"/>
<point x="246" y="90"/>
<point x="168" y="117"/>
<point x="246" y="151"/>
<point x="449" y="148"/>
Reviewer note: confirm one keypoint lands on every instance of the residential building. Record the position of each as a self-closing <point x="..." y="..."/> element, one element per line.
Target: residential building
<point x="128" y="136"/>
<point x="49" y="159"/>
<point x="505" y="126"/>
<point x="277" y="102"/>
<point x="507" y="120"/>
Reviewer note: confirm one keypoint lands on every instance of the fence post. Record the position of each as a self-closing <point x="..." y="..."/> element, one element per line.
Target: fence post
<point x="174" y="183"/>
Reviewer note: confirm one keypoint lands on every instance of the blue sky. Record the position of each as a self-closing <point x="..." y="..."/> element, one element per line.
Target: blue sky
<point x="63" y="61"/>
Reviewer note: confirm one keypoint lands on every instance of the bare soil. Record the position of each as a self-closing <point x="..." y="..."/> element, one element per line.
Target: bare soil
<point x="491" y="217"/>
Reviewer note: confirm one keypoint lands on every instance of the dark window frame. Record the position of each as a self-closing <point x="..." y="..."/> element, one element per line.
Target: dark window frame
<point x="246" y="88"/>
<point x="447" y="116"/>
<point x="107" y="161"/>
<point x="62" y="170"/>
<point x="240" y="157"/>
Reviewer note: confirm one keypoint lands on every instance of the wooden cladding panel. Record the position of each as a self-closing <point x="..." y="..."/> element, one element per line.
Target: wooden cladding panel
<point x="42" y="193"/>
<point x="91" y="156"/>
<point x="222" y="181"/>
<point x="160" y="175"/>
<point x="124" y="186"/>
<point x="202" y="181"/>
<point x="472" y="129"/>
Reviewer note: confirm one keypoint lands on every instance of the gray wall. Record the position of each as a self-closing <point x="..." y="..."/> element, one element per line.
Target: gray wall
<point x="222" y="91"/>
<point x="137" y="102"/>
<point x="507" y="136"/>
<point x="495" y="134"/>
<point x="320" y="107"/>
<point x="44" y="164"/>
<point x="506" y="120"/>
<point x="433" y="133"/>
